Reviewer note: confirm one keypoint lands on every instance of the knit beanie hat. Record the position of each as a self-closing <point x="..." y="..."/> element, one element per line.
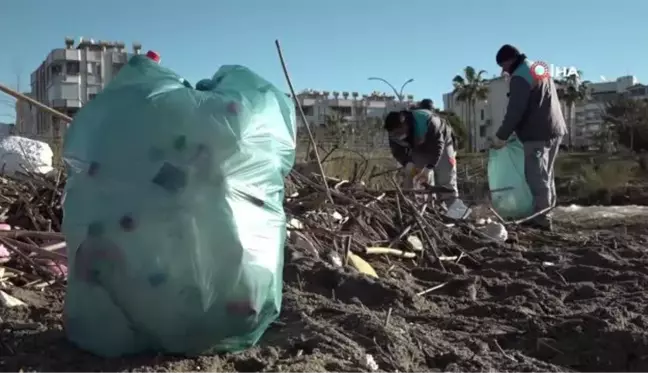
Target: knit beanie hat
<point x="506" y="52"/>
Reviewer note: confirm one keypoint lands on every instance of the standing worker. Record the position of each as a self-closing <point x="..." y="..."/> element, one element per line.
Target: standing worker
<point x="534" y="114"/>
<point x="423" y="142"/>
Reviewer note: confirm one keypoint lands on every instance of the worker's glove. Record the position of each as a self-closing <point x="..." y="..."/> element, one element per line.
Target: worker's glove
<point x="411" y="170"/>
<point x="423" y="176"/>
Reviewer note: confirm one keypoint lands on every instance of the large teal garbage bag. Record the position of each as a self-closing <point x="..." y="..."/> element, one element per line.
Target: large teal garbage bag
<point x="173" y="212"/>
<point x="510" y="193"/>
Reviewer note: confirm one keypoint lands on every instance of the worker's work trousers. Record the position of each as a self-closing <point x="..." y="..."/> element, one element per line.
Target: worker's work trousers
<point x="444" y="174"/>
<point x="539" y="160"/>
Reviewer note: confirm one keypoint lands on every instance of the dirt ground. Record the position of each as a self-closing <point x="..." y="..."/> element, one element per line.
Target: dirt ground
<point x="573" y="300"/>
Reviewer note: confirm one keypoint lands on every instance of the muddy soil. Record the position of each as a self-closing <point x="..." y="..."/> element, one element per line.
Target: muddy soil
<point x="573" y="300"/>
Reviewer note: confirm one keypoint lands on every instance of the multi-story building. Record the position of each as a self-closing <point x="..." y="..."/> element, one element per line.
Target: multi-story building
<point x="482" y="120"/>
<point x="26" y="118"/>
<point x="588" y="120"/>
<point x="67" y="79"/>
<point x="322" y="107"/>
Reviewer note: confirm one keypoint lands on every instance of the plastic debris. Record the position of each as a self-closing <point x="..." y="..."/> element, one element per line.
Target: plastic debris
<point x="9" y="301"/>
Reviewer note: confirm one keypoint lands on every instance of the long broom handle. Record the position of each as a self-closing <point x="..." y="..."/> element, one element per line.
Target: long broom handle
<point x="41" y="106"/>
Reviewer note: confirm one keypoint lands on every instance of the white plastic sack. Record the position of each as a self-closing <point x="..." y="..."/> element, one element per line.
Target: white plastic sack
<point x="20" y="154"/>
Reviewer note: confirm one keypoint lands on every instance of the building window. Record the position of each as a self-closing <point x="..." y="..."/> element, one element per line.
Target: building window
<point x="72" y="68"/>
<point x="308" y="111"/>
<point x="482" y="114"/>
<point x="91" y="96"/>
<point x="482" y="131"/>
<point x="94" y="68"/>
<point x="55" y="69"/>
<point x="342" y="110"/>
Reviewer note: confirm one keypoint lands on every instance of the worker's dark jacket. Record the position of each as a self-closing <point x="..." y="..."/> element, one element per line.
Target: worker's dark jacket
<point x="429" y="135"/>
<point x="533" y="111"/>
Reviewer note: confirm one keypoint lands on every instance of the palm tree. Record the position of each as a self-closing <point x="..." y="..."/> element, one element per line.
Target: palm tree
<point x="457" y="126"/>
<point x="345" y="95"/>
<point x="469" y="89"/>
<point x="626" y="117"/>
<point x="572" y="91"/>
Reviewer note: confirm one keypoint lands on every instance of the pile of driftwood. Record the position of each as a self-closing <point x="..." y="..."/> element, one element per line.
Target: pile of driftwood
<point x="32" y="249"/>
<point x="335" y="220"/>
<point x="360" y="223"/>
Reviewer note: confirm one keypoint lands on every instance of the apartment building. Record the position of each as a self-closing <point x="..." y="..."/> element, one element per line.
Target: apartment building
<point x="67" y="79"/>
<point x="321" y="107"/>
<point x="487" y="115"/>
<point x="588" y="120"/>
<point x="26" y="118"/>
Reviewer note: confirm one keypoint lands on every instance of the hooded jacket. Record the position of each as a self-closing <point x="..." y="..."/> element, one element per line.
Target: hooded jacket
<point x="533" y="110"/>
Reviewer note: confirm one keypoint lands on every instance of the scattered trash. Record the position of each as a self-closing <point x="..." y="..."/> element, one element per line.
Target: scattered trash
<point x="389" y="251"/>
<point x="8" y="301"/>
<point x="370" y="363"/>
<point x="19" y="155"/>
<point x="361" y="265"/>
<point x="4" y="254"/>
<point x="334" y="258"/>
<point x="415" y="243"/>
<point x="494" y="230"/>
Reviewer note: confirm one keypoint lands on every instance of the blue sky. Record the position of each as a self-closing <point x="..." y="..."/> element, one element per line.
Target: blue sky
<point x="336" y="44"/>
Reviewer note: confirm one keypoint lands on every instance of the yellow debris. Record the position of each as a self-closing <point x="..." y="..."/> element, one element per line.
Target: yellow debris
<point x="361" y="265"/>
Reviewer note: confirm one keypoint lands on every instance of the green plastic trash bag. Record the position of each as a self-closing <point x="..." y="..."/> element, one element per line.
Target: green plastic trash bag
<point x="173" y="212"/>
<point x="510" y="193"/>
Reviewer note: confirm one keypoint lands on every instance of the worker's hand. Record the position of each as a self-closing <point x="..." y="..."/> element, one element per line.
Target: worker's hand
<point x="410" y="169"/>
<point x="497" y="143"/>
<point x="422" y="177"/>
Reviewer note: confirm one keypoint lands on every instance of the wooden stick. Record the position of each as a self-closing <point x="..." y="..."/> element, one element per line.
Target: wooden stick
<point x="33" y="234"/>
<point x="56" y="246"/>
<point x="533" y="216"/>
<point x="35" y="266"/>
<point x="303" y="117"/>
<point x="19" y="96"/>
<point x="419" y="220"/>
<point x="433" y="288"/>
<point x="37" y="250"/>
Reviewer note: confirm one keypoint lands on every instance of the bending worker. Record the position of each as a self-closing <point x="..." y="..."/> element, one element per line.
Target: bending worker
<point x="534" y="114"/>
<point x="423" y="142"/>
